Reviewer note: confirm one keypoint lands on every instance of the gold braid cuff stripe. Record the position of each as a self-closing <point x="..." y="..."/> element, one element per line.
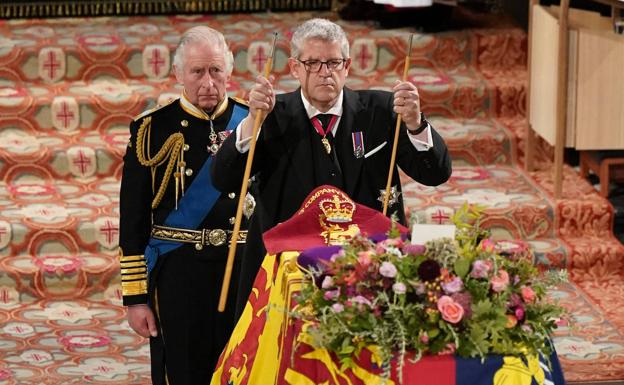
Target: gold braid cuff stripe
<point x="129" y="277"/>
<point x="131" y="258"/>
<point x="128" y="265"/>
<point x="133" y="271"/>
<point x="134" y="287"/>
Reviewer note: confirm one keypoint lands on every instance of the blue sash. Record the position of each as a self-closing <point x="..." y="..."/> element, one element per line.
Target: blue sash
<point x="195" y="205"/>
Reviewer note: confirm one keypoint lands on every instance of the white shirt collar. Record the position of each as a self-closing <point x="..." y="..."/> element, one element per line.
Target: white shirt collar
<point x="312" y="111"/>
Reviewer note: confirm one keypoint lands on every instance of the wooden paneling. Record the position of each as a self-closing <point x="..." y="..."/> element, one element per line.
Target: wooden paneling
<point x="595" y="95"/>
<point x="543" y="96"/>
<point x="600" y="91"/>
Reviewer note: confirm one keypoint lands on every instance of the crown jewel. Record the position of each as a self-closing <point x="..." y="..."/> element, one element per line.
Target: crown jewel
<point x="337" y="210"/>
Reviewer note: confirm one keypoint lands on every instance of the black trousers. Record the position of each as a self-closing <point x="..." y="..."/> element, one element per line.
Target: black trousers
<point x="192" y="332"/>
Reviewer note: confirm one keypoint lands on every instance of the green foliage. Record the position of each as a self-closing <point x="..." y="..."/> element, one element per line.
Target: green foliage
<point x="452" y="295"/>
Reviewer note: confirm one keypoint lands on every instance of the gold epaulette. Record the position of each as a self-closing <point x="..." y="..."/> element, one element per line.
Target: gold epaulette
<point x="152" y="110"/>
<point x="240" y="101"/>
<point x="133" y="274"/>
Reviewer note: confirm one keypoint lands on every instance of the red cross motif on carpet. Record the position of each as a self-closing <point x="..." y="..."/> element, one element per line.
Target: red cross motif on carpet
<point x="156" y="61"/>
<point x="363" y="56"/>
<point x="439" y="215"/>
<point x="257" y="55"/>
<point x="82" y="161"/>
<point x="107" y="232"/>
<point x="51" y="64"/>
<point x="5" y="234"/>
<point x="65" y="113"/>
<point x="8" y="297"/>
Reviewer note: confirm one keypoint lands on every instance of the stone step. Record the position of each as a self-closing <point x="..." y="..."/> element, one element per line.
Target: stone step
<point x="575" y="231"/>
<point x="104" y="105"/>
<point x="589" y="349"/>
<point x="62" y="274"/>
<point x="596" y="257"/>
<point x="514" y="207"/>
<point x="72" y="341"/>
<point x="40" y="216"/>
<point x="79" y="155"/>
<point x="581" y="211"/>
<point x="34" y="207"/>
<point x="142" y="48"/>
<point x="63" y="156"/>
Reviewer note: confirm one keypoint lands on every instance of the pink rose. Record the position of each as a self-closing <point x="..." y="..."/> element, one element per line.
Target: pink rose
<point x="414" y="249"/>
<point x="480" y="268"/>
<point x="519" y="313"/>
<point x="399" y="288"/>
<point x="332" y="294"/>
<point x="364" y="258"/>
<point x="528" y="295"/>
<point x="361" y="300"/>
<point x="450" y="349"/>
<point x="500" y="281"/>
<point x="396" y="242"/>
<point x="387" y="269"/>
<point x="455" y="285"/>
<point x="451" y="311"/>
<point x="488" y="245"/>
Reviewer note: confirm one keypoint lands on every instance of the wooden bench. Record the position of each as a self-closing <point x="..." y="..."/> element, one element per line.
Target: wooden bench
<point x="600" y="162"/>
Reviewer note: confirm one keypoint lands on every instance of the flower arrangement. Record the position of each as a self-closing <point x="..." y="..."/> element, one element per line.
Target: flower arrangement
<point x="449" y="296"/>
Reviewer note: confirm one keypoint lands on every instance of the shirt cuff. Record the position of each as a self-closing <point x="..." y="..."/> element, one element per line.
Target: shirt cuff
<point x="242" y="145"/>
<point x="422" y="141"/>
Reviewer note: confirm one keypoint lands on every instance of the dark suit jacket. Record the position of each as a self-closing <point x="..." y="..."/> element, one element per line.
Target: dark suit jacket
<point x="283" y="164"/>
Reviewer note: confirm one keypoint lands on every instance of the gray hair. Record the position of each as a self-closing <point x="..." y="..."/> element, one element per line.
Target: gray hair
<point x="203" y="34"/>
<point x="318" y="29"/>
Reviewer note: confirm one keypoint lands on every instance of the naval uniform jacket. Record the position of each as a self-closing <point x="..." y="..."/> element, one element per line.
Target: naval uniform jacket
<point x="138" y="189"/>
<point x="286" y="164"/>
<point x="183" y="285"/>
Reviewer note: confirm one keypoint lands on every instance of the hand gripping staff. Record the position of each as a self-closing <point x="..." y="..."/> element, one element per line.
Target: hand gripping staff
<point x="243" y="193"/>
<point x="396" y="132"/>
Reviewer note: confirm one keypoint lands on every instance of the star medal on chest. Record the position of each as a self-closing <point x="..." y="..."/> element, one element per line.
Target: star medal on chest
<point x="215" y="143"/>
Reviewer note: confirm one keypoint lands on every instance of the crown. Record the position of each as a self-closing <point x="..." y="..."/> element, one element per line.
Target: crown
<point x="337" y="210"/>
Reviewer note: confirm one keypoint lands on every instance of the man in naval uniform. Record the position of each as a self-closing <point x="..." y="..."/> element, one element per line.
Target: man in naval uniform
<point x="175" y="227"/>
<point x="325" y="133"/>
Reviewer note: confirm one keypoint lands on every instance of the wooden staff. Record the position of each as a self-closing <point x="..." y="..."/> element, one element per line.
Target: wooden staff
<point x="396" y="131"/>
<point x="243" y="193"/>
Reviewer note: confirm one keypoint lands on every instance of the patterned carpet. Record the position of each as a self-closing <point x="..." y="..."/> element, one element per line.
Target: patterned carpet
<point x="69" y="87"/>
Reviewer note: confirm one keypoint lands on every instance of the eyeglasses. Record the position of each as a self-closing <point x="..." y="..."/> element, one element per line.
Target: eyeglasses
<point x="316" y="65"/>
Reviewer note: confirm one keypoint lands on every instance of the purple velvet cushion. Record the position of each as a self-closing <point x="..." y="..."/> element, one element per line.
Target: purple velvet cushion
<point x="312" y="257"/>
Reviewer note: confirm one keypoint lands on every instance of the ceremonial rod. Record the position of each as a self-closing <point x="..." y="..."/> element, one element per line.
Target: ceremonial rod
<point x="243" y="193"/>
<point x="396" y="131"/>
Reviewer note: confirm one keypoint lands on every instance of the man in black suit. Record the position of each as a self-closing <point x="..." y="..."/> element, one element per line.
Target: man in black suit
<point x="297" y="151"/>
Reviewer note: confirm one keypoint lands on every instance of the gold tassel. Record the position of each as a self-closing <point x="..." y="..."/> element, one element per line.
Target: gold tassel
<point x="182" y="168"/>
<point x="168" y="153"/>
<point x="176" y="175"/>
